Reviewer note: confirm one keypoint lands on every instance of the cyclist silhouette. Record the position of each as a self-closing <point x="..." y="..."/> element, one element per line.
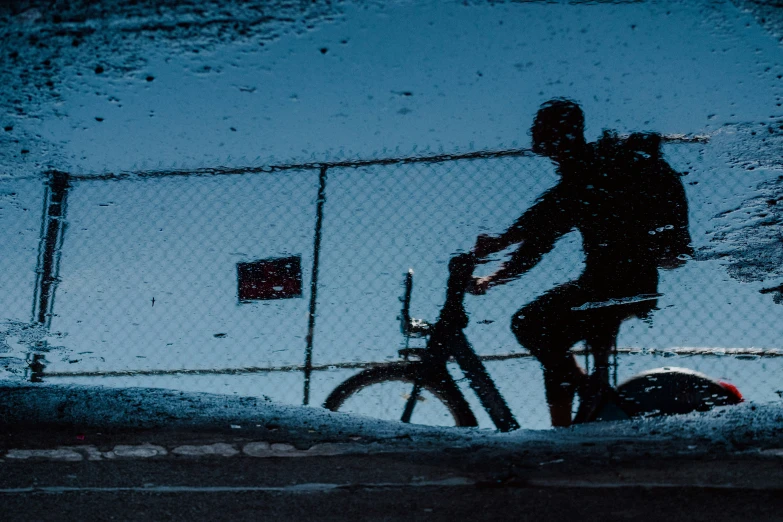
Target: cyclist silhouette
<point x="630" y="207"/>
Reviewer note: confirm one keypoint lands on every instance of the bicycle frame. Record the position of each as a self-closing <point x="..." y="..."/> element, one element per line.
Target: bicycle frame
<point x="662" y="391"/>
<point x="447" y="341"/>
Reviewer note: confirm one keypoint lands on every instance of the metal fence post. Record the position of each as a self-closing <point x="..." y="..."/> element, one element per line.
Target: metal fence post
<point x="319" y="216"/>
<point x="52" y="229"/>
<point x="48" y="266"/>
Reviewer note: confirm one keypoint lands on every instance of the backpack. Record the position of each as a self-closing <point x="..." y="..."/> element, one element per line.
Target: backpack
<point x="661" y="204"/>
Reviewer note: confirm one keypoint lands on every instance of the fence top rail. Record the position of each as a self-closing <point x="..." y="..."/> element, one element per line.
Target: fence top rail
<point x="320" y="165"/>
<point x="316" y="165"/>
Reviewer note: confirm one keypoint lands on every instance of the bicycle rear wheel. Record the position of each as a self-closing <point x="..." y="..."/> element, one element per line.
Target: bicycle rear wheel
<point x="672" y="391"/>
<point x="383" y="392"/>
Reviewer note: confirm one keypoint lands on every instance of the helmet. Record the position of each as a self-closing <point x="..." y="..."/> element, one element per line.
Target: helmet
<point x="558" y="128"/>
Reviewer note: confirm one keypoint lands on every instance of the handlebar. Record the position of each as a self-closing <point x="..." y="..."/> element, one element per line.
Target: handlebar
<point x="405" y="316"/>
<point x="452" y="314"/>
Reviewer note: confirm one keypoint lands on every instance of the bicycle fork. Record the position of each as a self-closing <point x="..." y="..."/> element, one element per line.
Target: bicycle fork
<point x="411" y="403"/>
<point x="482" y="384"/>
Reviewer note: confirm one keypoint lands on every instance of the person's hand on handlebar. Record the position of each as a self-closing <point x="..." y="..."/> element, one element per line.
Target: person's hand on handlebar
<point x="478" y="285"/>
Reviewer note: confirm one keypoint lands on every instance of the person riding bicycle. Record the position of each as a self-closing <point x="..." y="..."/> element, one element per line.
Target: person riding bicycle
<point x="631" y="210"/>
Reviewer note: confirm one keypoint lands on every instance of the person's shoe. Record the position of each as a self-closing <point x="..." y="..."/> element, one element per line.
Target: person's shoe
<point x="595" y="398"/>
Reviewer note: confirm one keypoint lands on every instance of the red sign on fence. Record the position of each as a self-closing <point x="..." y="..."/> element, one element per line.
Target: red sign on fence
<point x="278" y="278"/>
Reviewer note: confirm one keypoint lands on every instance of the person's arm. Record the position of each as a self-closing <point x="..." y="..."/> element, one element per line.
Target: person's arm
<point x="536" y="231"/>
<point x="519" y="231"/>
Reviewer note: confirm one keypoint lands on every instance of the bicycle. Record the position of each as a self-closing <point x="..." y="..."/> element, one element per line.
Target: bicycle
<point x="662" y="391"/>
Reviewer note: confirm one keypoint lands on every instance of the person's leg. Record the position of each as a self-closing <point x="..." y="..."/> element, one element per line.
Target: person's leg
<point x="600" y="339"/>
<point x="549" y="328"/>
<point x="560" y="384"/>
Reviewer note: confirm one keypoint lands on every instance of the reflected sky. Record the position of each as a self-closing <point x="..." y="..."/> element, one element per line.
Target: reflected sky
<point x="415" y="76"/>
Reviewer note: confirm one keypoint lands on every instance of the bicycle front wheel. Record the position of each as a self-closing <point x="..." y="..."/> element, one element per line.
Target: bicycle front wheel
<point x="385" y="392"/>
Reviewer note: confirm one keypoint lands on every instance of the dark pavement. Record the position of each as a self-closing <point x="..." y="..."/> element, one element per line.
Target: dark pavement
<point x="243" y="459"/>
<point x="602" y="483"/>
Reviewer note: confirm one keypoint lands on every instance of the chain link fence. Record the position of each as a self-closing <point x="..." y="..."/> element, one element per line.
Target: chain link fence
<point x="283" y="282"/>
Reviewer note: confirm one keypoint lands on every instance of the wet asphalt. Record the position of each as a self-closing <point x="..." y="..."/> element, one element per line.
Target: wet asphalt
<point x="216" y="476"/>
<point x="99" y="454"/>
